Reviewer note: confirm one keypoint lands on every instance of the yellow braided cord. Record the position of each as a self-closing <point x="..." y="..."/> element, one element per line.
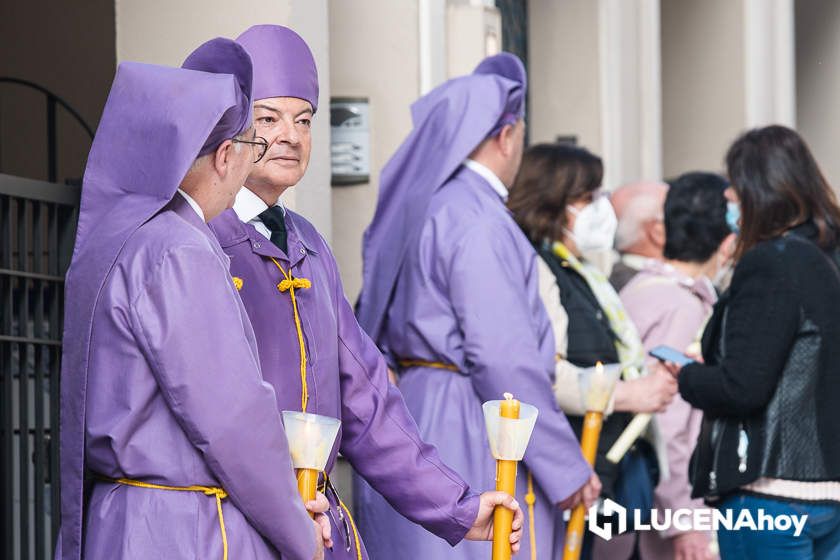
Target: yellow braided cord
<point x="218" y="493"/>
<point x="237" y="283"/>
<point x="291" y="284"/>
<point x="355" y="531"/>
<point x="423" y="363"/>
<point x="349" y="516"/>
<point x="531" y="499"/>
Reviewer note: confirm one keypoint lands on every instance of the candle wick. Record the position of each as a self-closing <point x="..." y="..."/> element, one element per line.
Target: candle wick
<point x="508" y="396"/>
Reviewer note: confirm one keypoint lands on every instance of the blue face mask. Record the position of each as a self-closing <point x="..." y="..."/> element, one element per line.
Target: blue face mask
<point x="733" y="216"/>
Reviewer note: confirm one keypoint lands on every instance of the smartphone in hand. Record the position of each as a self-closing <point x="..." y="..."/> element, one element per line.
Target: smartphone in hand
<point x="667" y="354"/>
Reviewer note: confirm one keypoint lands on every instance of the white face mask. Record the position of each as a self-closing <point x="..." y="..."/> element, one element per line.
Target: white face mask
<point x="595" y="225"/>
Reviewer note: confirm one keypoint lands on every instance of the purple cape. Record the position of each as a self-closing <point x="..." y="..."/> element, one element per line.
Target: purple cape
<point x="449" y="123"/>
<point x="155" y="122"/>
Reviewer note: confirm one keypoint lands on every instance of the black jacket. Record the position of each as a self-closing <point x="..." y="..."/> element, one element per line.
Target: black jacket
<point x="591" y="339"/>
<point x="770" y="386"/>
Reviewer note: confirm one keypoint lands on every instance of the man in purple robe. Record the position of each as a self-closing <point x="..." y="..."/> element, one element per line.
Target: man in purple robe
<point x="450" y="295"/>
<point x="171" y="443"/>
<point x="311" y="347"/>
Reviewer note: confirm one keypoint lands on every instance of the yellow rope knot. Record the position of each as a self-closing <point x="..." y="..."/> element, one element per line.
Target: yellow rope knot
<point x="291" y="284"/>
<point x="218" y="492"/>
<point x="296" y="283"/>
<point x="214" y="491"/>
<point x="530" y="498"/>
<point x="237" y="283"/>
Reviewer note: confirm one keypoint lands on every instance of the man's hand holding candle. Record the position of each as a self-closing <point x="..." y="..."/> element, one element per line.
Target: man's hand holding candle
<point x="319" y="508"/>
<point x="482" y="529"/>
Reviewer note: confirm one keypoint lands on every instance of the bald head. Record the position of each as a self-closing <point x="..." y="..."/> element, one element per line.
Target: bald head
<point x="639" y="207"/>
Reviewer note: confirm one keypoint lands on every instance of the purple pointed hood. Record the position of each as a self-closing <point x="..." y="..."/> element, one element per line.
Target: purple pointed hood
<point x="449" y="123"/>
<point x="283" y="63"/>
<point x="155" y="123"/>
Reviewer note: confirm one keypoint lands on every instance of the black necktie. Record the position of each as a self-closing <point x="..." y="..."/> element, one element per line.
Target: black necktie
<point x="274" y="220"/>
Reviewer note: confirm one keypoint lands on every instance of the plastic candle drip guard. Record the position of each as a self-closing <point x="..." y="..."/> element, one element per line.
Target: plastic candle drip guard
<point x="508" y="436"/>
<point x="597" y="385"/>
<point x="311" y="438"/>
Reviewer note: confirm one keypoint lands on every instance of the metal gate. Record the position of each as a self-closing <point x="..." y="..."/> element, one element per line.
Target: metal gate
<point x="37" y="226"/>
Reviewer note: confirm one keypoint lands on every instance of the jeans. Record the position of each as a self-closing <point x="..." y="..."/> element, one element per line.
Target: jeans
<point x="820" y="539"/>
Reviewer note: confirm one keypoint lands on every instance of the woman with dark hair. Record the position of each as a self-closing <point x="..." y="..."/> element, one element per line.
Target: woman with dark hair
<point x="669" y="302"/>
<point x="769" y="386"/>
<point x="556" y="200"/>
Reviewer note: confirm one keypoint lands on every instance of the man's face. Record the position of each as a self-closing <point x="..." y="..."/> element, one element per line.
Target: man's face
<point x="285" y="123"/>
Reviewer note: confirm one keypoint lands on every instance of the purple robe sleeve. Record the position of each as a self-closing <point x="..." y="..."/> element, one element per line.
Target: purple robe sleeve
<point x="502" y="347"/>
<point x="211" y="380"/>
<point x="381" y="440"/>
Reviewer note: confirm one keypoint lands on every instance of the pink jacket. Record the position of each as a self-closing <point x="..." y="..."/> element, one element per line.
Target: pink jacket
<point x="670" y="308"/>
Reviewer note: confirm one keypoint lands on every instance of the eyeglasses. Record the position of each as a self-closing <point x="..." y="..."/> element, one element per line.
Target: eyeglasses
<point x="257" y="141"/>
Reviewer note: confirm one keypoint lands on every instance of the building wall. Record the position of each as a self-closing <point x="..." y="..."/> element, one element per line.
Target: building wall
<point x="818" y="80"/>
<point x="165" y="32"/>
<point x="41" y="42"/>
<point x="703" y="81"/>
<point x="374" y="54"/>
<point x="564" y="81"/>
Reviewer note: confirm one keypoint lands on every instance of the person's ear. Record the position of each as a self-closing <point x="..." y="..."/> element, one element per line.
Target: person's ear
<point x="222" y="157"/>
<point x="655" y="230"/>
<point x="727" y="247"/>
<point x="506" y="138"/>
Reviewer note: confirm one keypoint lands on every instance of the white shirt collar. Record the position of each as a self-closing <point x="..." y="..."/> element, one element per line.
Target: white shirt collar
<point x="489" y="176"/>
<point x="248" y="205"/>
<point x="193" y="204"/>
<point x="634" y="261"/>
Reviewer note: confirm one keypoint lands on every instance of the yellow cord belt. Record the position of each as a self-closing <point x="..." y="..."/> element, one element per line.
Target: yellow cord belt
<point x="422" y="363"/>
<point x="530" y="497"/>
<point x="356" y="539"/>
<point x="290" y="284"/>
<point x="216" y="492"/>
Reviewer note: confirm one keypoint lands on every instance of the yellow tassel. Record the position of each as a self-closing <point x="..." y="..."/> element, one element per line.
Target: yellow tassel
<point x="531" y="499"/>
<point x="291" y="284"/>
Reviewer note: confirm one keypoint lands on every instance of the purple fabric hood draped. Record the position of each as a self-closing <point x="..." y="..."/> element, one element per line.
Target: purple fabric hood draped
<point x="449" y="123"/>
<point x="155" y="123"/>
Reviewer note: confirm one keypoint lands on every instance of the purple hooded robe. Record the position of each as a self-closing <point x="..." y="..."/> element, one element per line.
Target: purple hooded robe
<point x="346" y="376"/>
<point x="451" y="285"/>
<point x="160" y="378"/>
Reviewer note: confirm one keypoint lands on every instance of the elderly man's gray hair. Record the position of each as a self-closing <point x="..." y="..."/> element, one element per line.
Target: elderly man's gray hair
<point x="641" y="209"/>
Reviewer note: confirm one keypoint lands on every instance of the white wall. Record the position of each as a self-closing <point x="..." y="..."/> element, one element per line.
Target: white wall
<point x="703" y="82"/>
<point x="818" y="81"/>
<point x="374" y="53"/>
<point x="631" y="118"/>
<point x="165" y="32"/>
<point x="564" y="88"/>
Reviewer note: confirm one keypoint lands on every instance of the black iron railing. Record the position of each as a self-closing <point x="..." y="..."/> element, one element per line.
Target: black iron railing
<point x="37" y="226"/>
<point x="53" y="102"/>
